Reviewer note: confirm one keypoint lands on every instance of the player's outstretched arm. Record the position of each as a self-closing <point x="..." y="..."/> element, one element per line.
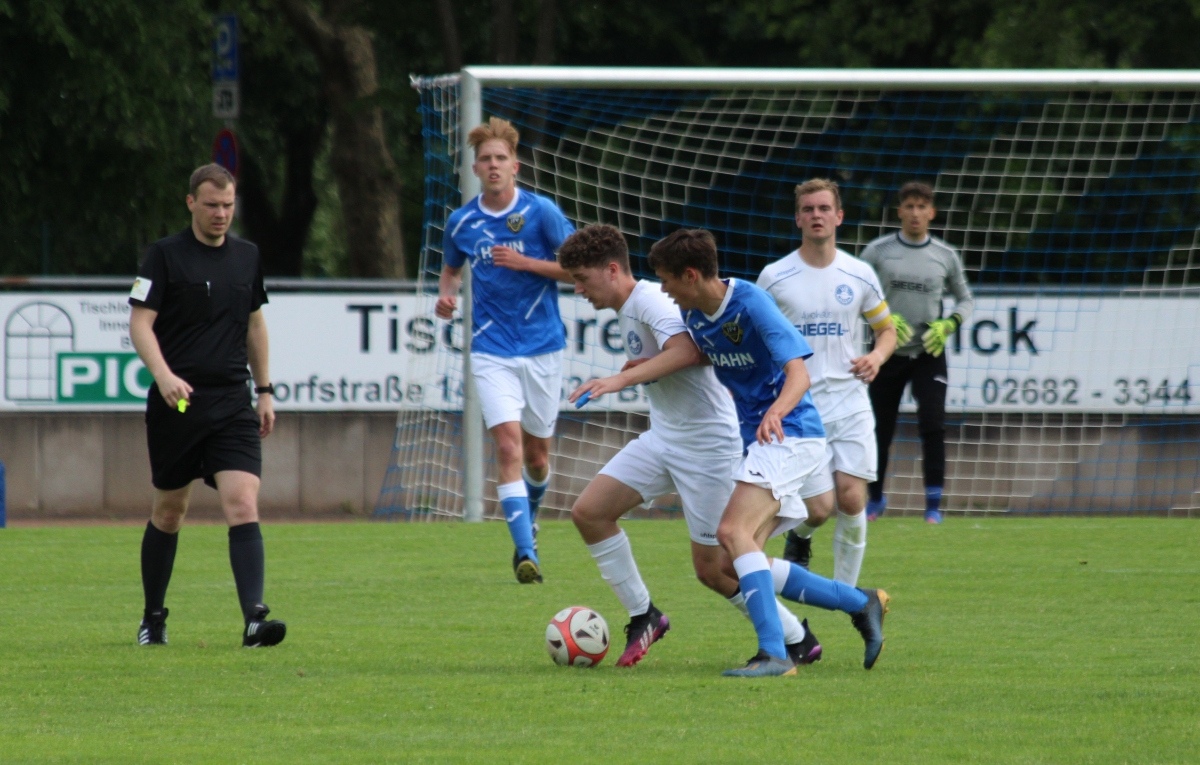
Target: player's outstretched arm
<point x="448" y="285"/>
<point x="258" y="354"/>
<point x="507" y="257"/>
<point x="794" y="388"/>
<point x="145" y="342"/>
<point x="678" y="352"/>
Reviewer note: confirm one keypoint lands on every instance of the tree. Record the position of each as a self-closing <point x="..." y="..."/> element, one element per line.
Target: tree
<point x="364" y="168"/>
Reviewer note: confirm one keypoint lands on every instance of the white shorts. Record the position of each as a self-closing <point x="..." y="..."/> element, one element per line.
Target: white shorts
<point x="651" y="468"/>
<point x="850" y="449"/>
<point x="523" y="389"/>
<point x="784" y="469"/>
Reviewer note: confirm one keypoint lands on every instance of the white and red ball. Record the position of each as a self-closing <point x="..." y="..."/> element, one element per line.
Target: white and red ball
<point x="577" y="637"/>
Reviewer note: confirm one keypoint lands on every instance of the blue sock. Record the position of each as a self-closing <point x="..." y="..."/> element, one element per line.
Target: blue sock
<point x="933" y="498"/>
<point x="515" y="505"/>
<point x="535" y="491"/>
<point x="758" y="590"/>
<point x="800" y="586"/>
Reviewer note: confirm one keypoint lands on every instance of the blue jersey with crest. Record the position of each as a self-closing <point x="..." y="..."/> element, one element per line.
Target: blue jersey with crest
<point x="748" y="342"/>
<point x="515" y="312"/>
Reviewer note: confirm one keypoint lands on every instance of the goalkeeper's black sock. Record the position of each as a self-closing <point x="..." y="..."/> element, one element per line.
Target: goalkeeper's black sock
<point x="248" y="561"/>
<point x="158" y="560"/>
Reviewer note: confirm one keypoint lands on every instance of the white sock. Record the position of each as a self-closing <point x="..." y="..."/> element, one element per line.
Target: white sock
<point x="804" y="531"/>
<point x="793" y="630"/>
<point x="849" y="544"/>
<point x="614" y="556"/>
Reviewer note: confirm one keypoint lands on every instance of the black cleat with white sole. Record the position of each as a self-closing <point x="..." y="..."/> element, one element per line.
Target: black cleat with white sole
<point x="153" y="629"/>
<point x="261" y="632"/>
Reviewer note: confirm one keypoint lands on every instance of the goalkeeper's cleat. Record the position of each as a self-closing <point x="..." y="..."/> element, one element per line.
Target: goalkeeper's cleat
<point x="764" y="665"/>
<point x="934" y="338"/>
<point x="807" y="651"/>
<point x="261" y="632"/>
<point x="875" y="509"/>
<point x="642" y="632"/>
<point x="904" y="330"/>
<point x="869" y="623"/>
<point x="933" y="516"/>
<point x="797" y="549"/>
<point x="153" y="629"/>
<point x="527" y="571"/>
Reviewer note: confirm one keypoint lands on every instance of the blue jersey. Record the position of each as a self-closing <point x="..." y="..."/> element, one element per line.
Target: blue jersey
<point x="515" y="312"/>
<point x="748" y="342"/>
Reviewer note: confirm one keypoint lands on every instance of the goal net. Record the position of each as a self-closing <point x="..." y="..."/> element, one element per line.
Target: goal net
<point x="1074" y="202"/>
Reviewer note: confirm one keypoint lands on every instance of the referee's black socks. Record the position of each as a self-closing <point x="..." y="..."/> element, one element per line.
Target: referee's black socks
<point x="158" y="559"/>
<point x="247" y="560"/>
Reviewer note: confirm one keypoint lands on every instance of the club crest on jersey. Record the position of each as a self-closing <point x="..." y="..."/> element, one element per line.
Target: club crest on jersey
<point x="843" y="294"/>
<point x="634" y="342"/>
<point x="515" y="222"/>
<point x="733" y="331"/>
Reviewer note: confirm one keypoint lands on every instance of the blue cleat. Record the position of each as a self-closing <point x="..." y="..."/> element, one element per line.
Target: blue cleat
<point x="869" y="623"/>
<point x="764" y="665"/>
<point x="875" y="509"/>
<point x="933" y="516"/>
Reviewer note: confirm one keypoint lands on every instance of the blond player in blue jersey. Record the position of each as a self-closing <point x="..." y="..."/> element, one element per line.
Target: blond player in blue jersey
<point x="509" y="236"/>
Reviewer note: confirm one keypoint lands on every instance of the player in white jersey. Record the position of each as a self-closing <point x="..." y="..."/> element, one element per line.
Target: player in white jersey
<point x="692" y="447"/>
<point x="827" y="293"/>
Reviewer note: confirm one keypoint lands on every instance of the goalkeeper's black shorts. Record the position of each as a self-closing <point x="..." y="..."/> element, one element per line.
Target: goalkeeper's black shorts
<point x="219" y="431"/>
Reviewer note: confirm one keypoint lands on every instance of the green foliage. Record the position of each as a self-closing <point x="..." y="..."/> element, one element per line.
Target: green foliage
<point x="103" y="113"/>
<point x="1010" y="641"/>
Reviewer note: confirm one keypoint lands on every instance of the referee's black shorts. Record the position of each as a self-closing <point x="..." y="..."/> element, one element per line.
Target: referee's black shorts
<point x="219" y="431"/>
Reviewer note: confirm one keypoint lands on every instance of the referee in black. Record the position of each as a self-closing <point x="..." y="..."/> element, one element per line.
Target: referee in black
<point x="197" y="324"/>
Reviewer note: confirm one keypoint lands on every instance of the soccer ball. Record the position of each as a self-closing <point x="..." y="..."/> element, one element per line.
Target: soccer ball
<point x="577" y="637"/>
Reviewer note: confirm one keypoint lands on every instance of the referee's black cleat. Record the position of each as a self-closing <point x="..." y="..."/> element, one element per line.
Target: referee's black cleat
<point x="869" y="623"/>
<point x="797" y="549"/>
<point x="808" y="650"/>
<point x="153" y="629"/>
<point x="527" y="570"/>
<point x="261" y="632"/>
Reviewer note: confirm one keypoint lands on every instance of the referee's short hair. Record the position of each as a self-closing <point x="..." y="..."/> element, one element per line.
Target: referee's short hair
<point x="595" y="246"/>
<point x="684" y="249"/>
<point x="922" y="191"/>
<point x="210" y="173"/>
<point x="814" y="185"/>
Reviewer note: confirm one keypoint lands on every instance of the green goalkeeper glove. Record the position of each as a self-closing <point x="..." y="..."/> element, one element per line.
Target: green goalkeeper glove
<point x="903" y="330"/>
<point x="935" y="337"/>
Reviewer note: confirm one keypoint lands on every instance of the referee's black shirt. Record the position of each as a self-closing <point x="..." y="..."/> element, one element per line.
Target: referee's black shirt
<point x="204" y="297"/>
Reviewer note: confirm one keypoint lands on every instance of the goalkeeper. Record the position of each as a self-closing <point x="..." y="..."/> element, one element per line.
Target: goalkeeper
<point x="916" y="270"/>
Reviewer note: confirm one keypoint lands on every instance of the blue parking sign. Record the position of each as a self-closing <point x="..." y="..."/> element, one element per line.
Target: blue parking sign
<point x="225" y="48"/>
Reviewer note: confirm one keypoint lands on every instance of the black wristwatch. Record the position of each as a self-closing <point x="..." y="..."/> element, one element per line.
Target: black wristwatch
<point x="266" y="389"/>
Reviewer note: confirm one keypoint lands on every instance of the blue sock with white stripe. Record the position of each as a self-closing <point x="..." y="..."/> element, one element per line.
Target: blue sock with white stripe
<point x="515" y="504"/>
<point x="754" y="576"/>
<point x="801" y="586"/>
<point x="535" y="490"/>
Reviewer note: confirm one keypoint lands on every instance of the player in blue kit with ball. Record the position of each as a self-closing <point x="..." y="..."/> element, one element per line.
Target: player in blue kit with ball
<point x="509" y="236"/>
<point x="759" y="356"/>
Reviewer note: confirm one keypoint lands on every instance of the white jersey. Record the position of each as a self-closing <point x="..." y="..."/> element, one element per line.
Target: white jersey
<point x="689" y="409"/>
<point x="827" y="305"/>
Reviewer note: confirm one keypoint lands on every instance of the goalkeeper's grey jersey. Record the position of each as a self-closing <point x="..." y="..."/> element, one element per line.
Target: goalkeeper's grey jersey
<point x="914" y="278"/>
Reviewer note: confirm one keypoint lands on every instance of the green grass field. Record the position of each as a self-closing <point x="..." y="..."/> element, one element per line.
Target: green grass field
<point x="1009" y="641"/>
